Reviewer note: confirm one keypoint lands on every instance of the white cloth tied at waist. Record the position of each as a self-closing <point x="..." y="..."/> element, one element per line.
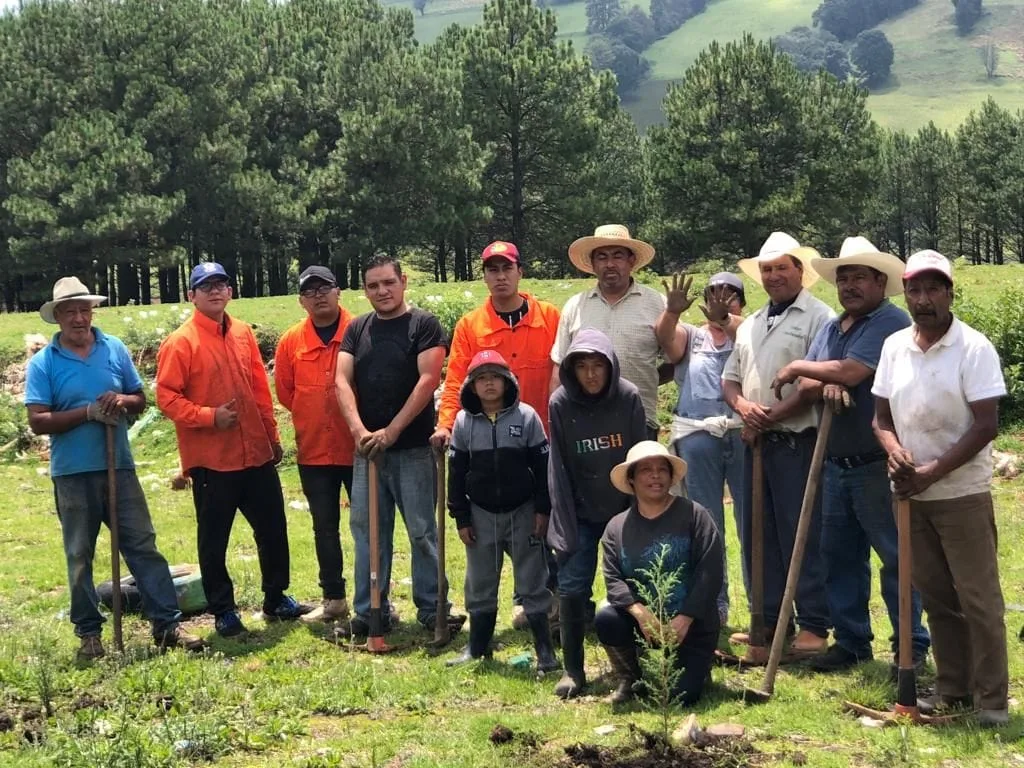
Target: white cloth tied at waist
<point x="716" y="426"/>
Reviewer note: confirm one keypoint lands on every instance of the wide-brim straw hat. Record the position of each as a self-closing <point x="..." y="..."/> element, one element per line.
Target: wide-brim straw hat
<point x="68" y="289"/>
<point x="860" y="252"/>
<point x="780" y="244"/>
<point x="647" y="449"/>
<point x="609" y="236"/>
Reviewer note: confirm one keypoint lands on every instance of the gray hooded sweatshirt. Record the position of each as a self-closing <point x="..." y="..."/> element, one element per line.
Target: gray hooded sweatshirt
<point x="589" y="436"/>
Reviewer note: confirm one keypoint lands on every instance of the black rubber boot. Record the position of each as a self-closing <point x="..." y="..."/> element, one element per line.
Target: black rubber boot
<point x="626" y="666"/>
<point x="571" y="613"/>
<point x="546" y="661"/>
<point x="481" y="630"/>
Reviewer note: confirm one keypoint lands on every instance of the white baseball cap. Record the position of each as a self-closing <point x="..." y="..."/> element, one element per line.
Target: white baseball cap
<point x="928" y="261"/>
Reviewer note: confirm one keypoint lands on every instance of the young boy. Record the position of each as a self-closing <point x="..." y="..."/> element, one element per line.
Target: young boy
<point x="498" y="495"/>
<point x="596" y="417"/>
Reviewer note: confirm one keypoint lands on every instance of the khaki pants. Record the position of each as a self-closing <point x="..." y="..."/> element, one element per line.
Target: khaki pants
<point x="957" y="573"/>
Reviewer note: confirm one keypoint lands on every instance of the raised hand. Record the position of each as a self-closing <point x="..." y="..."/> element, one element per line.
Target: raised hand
<point x="716" y="303"/>
<point x="677" y="297"/>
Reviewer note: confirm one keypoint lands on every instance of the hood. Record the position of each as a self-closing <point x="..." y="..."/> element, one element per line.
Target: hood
<point x="588" y="341"/>
<point x="467" y="397"/>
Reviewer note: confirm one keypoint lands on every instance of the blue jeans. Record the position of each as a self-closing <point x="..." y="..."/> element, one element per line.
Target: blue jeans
<point x="711" y="462"/>
<point x="858" y="517"/>
<point x="82" y="507"/>
<point x="577" y="571"/>
<point x="405" y="478"/>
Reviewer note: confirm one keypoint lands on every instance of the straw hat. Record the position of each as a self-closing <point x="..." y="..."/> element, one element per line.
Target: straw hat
<point x="860" y="252"/>
<point x="68" y="289"/>
<point x="646" y="449"/>
<point x="780" y="244"/>
<point x="609" y="236"/>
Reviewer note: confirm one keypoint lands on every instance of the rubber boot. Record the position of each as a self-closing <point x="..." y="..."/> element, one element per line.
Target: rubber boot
<point x="571" y="613"/>
<point x="546" y="661"/>
<point x="626" y="667"/>
<point x="481" y="630"/>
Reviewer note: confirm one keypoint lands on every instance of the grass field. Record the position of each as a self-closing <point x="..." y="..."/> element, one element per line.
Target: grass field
<point x="285" y="697"/>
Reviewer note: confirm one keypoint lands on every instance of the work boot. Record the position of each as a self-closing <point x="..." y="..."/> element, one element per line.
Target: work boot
<point x="331" y="609"/>
<point x="572" y="614"/>
<point x="929" y="705"/>
<point x="481" y="630"/>
<point x="178" y="638"/>
<point x="807" y="643"/>
<point x="626" y="667"/>
<point x="546" y="661"/>
<point x="90" y="648"/>
<point x="993" y="718"/>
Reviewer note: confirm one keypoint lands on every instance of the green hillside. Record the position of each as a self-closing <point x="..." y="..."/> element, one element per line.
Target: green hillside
<point x="937" y="75"/>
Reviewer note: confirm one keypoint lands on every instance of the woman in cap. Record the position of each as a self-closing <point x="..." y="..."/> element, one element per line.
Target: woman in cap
<point x="659" y="527"/>
<point x="705" y="431"/>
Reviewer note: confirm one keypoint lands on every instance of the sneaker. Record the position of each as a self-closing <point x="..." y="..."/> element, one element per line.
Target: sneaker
<point x="90" y="649"/>
<point x="836" y="659"/>
<point x="332" y="609"/>
<point x="993" y="718"/>
<point x="287" y="609"/>
<point x="229" y="624"/>
<point x="179" y="638"/>
<point x="929" y="705"/>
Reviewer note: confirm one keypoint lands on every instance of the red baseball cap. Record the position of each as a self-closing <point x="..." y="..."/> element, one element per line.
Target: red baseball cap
<point x="501" y="249"/>
<point x="487" y="357"/>
<point x="928" y="261"/>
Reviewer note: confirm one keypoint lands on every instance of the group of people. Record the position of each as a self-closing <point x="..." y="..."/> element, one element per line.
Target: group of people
<point x="549" y="419"/>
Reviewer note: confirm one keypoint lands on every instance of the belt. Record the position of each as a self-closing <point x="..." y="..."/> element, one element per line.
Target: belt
<point x="860" y="460"/>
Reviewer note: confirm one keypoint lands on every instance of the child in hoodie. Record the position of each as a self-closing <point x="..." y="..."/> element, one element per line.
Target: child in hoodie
<point x="498" y="496"/>
<point x="595" y="417"/>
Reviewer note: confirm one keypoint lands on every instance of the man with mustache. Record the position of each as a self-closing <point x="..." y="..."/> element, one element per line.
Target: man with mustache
<point x="779" y="333"/>
<point x="937" y="391"/>
<point x="857" y="512"/>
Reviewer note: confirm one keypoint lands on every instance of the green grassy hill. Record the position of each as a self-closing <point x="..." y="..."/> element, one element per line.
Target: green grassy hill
<point x="937" y="76"/>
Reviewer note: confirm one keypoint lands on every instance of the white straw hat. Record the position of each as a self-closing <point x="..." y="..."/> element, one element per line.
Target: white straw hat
<point x="780" y="244"/>
<point x="646" y="449"/>
<point x="608" y="236"/>
<point x="68" y="289"/>
<point x="860" y="252"/>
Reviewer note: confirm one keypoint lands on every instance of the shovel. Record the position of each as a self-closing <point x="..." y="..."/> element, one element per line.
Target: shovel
<point x="115" y="546"/>
<point x="795" y="562"/>
<point x="442" y="631"/>
<point x="906" y="681"/>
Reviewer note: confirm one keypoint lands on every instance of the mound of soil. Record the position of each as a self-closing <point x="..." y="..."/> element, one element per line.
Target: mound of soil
<point x="652" y="752"/>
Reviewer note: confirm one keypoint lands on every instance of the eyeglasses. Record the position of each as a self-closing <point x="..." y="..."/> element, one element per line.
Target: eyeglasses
<point x="320" y="290"/>
<point x="213" y="285"/>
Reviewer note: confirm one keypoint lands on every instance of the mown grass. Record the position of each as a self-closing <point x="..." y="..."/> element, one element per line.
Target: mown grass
<point x="287" y="697"/>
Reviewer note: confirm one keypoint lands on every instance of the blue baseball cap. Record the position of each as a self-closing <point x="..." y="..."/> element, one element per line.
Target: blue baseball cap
<point x="205" y="271"/>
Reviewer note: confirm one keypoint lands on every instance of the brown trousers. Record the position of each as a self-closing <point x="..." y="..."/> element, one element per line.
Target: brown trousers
<point x="957" y="573"/>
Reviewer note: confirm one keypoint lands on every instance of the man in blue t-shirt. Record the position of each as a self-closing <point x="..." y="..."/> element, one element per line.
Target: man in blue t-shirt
<point x="857" y="499"/>
<point x="81" y="383"/>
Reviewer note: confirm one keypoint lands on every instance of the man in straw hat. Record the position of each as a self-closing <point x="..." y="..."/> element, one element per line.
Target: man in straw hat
<point x="937" y="391"/>
<point x="857" y="512"/>
<point x="775" y="335"/>
<point x="619" y="307"/>
<point x="678" y="535"/>
<point x="81" y="382"/>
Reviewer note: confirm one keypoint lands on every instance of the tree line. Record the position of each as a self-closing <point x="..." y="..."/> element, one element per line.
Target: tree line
<point x="142" y="138"/>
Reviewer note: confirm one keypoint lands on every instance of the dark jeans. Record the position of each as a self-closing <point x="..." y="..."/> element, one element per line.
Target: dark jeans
<point x="322" y="487"/>
<point x="787" y="461"/>
<point x="256" y="493"/>
<point x="577" y="571"/>
<point x="616" y="627"/>
<point x="858" y="517"/>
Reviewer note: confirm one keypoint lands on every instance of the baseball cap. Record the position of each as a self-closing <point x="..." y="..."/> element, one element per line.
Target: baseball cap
<point x="204" y="272"/>
<point x="486" y="358"/>
<point x="928" y="261"/>
<point x="507" y="251"/>
<point x="727" y="279"/>
<point x="316" y="272"/>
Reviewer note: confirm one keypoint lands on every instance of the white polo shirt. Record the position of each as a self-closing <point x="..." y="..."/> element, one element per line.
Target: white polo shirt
<point x="760" y="351"/>
<point x="929" y="395"/>
<point x="629" y="323"/>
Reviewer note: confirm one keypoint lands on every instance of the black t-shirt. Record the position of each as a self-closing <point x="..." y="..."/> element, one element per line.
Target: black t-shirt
<point x="326" y="332"/>
<point x="512" y="318"/>
<point x="386" y="371"/>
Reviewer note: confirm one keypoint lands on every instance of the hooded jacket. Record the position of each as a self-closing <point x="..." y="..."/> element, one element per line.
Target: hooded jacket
<point x="589" y="436"/>
<point x="497" y="465"/>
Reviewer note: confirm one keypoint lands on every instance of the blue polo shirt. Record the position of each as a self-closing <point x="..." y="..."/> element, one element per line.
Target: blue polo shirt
<point x="851" y="433"/>
<point x="62" y="381"/>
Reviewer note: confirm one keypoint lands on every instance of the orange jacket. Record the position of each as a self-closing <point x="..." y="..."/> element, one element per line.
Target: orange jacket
<point x="304" y="380"/>
<point x="201" y="366"/>
<point x="526" y="348"/>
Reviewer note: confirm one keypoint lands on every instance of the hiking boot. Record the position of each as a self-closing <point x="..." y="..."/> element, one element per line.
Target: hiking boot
<point x="572" y="612"/>
<point x="90" y="648"/>
<point x="993" y="718"/>
<point x="287" y="609"/>
<point x="929" y="705"/>
<point x="546" y="660"/>
<point x="836" y="659"/>
<point x="519" y="621"/>
<point x="481" y="630"/>
<point x="331" y="609"/>
<point x="229" y="624"/>
<point x="179" y="638"/>
<point x="626" y="667"/>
